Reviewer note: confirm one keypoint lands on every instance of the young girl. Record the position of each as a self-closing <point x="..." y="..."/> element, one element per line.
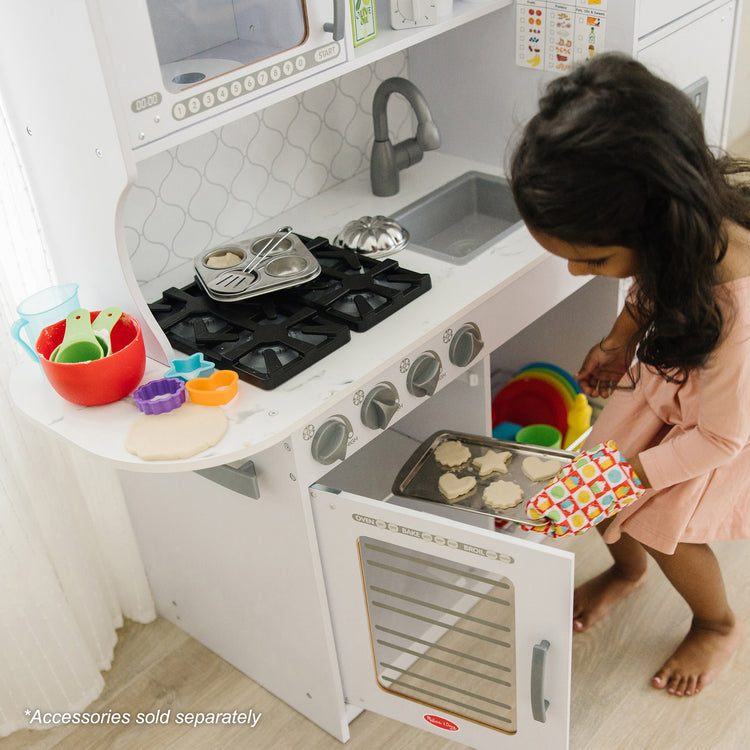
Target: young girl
<point x="613" y="175"/>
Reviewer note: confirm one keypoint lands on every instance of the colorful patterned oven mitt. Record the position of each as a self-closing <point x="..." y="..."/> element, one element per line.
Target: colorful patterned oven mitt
<point x="594" y="486"/>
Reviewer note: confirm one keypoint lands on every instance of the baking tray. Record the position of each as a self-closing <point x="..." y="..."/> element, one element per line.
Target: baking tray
<point x="418" y="478"/>
<point x="289" y="264"/>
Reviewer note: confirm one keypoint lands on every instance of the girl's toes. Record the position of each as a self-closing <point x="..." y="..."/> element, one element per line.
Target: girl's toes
<point x="677" y="685"/>
<point x="659" y="680"/>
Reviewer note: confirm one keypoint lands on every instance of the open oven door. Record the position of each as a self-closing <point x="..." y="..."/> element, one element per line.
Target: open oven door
<point x="459" y="630"/>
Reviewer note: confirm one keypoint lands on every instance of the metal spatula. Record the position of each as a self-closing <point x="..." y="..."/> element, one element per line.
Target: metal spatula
<point x="237" y="282"/>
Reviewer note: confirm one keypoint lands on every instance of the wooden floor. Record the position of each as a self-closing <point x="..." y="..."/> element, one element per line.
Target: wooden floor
<point x="613" y="706"/>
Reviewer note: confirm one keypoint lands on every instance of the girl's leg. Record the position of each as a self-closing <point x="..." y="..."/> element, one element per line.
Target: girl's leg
<point x="715" y="633"/>
<point x="593" y="599"/>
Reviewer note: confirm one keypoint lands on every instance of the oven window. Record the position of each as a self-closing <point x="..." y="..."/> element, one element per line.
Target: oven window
<point x="201" y="39"/>
<point x="442" y="633"/>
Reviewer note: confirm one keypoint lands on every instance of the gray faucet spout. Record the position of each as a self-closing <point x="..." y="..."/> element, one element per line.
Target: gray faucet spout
<point x="387" y="160"/>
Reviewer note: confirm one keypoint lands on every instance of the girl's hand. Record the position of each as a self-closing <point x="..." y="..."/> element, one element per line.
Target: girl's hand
<point x="602" y="369"/>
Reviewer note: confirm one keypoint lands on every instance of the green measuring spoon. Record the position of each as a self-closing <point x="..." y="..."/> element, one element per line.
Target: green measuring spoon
<point x="79" y="343"/>
<point x="103" y="325"/>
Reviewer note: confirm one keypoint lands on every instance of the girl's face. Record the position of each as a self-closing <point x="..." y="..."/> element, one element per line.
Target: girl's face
<point x="614" y="261"/>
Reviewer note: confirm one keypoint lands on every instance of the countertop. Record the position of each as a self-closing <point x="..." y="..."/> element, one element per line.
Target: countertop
<point x="259" y="419"/>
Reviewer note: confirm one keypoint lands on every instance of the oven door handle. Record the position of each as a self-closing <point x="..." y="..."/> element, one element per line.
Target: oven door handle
<point x="339" y="17"/>
<point x="539" y="704"/>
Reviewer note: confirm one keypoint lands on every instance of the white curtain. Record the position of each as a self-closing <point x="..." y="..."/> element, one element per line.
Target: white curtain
<point x="69" y="566"/>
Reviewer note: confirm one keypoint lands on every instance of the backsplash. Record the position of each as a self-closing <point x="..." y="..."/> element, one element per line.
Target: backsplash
<point x="221" y="184"/>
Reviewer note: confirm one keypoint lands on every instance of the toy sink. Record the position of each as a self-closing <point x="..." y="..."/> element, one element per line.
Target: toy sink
<point x="460" y="219"/>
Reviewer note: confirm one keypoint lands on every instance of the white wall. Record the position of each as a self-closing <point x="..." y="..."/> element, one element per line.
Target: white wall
<point x="739" y="115"/>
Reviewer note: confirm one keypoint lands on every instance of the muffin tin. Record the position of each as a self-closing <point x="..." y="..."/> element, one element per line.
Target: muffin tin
<point x="247" y="268"/>
<point x="418" y="477"/>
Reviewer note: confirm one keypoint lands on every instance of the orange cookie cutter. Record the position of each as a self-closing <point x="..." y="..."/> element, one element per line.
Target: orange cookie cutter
<point x="217" y="389"/>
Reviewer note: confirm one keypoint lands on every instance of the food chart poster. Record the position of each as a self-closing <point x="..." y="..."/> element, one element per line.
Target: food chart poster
<point x="553" y="36"/>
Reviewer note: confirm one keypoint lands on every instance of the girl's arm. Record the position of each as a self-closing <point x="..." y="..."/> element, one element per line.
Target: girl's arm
<point x="608" y="361"/>
<point x="722" y="426"/>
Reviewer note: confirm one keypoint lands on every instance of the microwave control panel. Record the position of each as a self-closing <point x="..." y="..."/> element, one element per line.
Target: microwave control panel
<point x="278" y="73"/>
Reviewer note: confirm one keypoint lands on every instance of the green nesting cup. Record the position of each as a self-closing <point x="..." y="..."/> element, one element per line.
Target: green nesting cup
<point x="544" y="435"/>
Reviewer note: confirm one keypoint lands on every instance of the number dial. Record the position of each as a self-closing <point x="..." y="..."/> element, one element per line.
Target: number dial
<point x="406" y="14"/>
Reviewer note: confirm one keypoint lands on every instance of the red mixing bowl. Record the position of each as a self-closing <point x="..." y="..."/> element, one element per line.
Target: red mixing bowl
<point x="100" y="381"/>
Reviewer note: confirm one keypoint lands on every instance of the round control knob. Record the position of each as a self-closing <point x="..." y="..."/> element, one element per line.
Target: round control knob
<point x="465" y="345"/>
<point x="330" y="441"/>
<point x="423" y="375"/>
<point x="379" y="406"/>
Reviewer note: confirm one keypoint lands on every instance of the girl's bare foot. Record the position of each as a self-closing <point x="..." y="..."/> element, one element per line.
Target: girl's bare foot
<point x="700" y="657"/>
<point x="593" y="599"/>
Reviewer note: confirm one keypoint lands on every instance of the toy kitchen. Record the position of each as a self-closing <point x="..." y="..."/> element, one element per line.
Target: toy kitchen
<point x="169" y="146"/>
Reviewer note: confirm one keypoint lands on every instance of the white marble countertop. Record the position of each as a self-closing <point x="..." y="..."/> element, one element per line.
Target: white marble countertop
<point x="259" y="419"/>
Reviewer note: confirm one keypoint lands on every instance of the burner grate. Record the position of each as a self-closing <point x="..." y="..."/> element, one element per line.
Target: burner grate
<point x="360" y="292"/>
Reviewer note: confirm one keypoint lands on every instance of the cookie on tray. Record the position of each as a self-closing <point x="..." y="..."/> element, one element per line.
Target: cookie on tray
<point x="537" y="469"/>
<point x="501" y="495"/>
<point x="452" y="453"/>
<point x="493" y="462"/>
<point x="453" y="488"/>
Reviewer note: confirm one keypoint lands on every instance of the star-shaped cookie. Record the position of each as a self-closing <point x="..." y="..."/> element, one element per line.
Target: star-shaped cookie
<point x="493" y="462"/>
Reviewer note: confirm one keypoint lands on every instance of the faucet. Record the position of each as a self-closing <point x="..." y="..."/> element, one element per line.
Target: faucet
<point x="387" y="159"/>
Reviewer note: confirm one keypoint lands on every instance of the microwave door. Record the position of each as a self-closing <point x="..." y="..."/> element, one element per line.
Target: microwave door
<point x="229" y="34"/>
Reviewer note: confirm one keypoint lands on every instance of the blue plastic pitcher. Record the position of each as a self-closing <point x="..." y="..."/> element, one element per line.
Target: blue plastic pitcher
<point x="42" y="309"/>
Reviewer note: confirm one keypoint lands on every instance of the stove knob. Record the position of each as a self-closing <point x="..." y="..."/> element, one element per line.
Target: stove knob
<point x="465" y="345"/>
<point x="331" y="439"/>
<point x="423" y="375"/>
<point x="379" y="406"/>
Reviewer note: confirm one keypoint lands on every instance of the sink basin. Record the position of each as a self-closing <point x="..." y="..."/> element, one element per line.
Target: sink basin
<point x="462" y="218"/>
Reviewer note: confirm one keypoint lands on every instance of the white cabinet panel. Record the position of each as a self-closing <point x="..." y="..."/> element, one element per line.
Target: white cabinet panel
<point x="700" y="49"/>
<point x="656" y="13"/>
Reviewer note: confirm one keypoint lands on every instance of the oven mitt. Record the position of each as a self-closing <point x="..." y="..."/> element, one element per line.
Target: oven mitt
<point x="596" y="485"/>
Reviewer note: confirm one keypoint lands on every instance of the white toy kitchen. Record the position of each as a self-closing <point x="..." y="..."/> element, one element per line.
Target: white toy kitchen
<point x="283" y="548"/>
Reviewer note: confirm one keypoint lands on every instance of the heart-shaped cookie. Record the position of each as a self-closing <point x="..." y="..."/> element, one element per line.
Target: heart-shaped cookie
<point x="454" y="487"/>
<point x="538" y="469"/>
<point x="219" y="388"/>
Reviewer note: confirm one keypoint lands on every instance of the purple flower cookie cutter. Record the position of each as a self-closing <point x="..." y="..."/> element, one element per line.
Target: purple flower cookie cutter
<point x="160" y="396"/>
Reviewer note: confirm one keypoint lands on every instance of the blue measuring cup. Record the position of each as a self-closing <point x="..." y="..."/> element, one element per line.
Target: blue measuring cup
<point x="42" y="309"/>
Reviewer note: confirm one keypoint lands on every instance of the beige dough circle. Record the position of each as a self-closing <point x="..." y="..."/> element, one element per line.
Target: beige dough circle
<point x="180" y="433"/>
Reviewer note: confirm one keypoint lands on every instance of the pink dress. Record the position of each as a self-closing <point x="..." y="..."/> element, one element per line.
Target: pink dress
<point x="693" y="441"/>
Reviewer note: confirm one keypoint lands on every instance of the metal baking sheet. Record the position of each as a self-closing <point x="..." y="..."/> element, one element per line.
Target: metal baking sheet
<point x="418" y="478"/>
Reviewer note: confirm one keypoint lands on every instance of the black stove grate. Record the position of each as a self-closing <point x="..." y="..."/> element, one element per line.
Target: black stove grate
<point x="359" y="291"/>
<point x="270" y="338"/>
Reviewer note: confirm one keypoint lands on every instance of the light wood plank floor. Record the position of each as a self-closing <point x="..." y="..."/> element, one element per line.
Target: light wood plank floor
<point x="613" y="706"/>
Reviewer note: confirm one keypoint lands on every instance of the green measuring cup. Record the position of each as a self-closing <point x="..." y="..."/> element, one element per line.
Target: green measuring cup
<point x="79" y="343"/>
<point x="102" y="326"/>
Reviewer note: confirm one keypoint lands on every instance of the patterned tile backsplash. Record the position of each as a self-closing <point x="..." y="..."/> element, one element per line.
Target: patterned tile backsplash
<point x="219" y="185"/>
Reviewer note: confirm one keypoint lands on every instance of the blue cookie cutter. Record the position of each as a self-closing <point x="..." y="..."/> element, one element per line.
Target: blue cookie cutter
<point x="190" y="367"/>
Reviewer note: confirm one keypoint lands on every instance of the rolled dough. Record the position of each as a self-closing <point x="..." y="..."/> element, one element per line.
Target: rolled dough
<point x="180" y="433"/>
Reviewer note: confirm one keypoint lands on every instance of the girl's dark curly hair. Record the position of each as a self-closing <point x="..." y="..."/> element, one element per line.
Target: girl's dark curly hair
<point x="617" y="156"/>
